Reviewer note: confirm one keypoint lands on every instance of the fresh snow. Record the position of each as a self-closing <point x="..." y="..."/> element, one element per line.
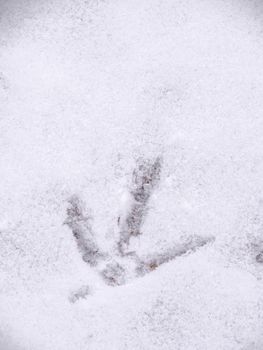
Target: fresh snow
<point x="86" y="89"/>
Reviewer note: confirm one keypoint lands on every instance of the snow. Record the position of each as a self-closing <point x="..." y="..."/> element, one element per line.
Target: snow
<point x="88" y="87"/>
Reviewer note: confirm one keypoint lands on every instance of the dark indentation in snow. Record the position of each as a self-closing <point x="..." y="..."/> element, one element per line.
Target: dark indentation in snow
<point x="259" y="258"/>
<point x="145" y="177"/>
<point x="115" y="268"/>
<point x="113" y="274"/>
<point x="151" y="262"/>
<point x="79" y="221"/>
<point x="82" y="293"/>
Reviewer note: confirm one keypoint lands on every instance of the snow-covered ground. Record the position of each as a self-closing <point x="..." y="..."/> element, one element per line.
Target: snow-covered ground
<point x="86" y="89"/>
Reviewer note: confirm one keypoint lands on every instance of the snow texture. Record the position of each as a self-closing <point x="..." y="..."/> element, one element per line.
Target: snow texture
<point x="131" y="187"/>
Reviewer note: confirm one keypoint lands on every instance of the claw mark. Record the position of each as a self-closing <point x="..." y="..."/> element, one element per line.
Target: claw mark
<point x="151" y="262"/>
<point x="145" y="178"/>
<point x="79" y="222"/>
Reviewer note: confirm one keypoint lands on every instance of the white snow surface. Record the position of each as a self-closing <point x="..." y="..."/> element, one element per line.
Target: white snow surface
<point x="87" y="87"/>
